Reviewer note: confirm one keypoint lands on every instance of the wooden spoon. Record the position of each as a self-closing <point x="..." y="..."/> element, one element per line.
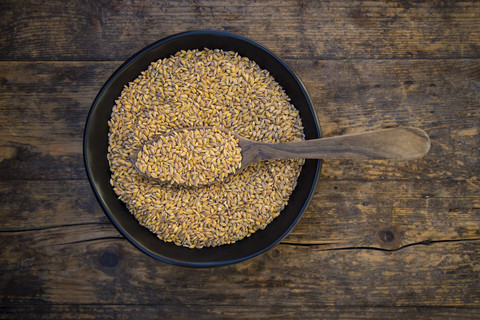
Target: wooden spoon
<point x="404" y="143"/>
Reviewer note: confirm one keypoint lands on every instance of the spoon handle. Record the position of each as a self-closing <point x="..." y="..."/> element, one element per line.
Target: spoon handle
<point x="404" y="143"/>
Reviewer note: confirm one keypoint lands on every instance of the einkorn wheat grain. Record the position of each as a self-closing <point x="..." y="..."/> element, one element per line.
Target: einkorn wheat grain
<point x="190" y="157"/>
<point x="204" y="88"/>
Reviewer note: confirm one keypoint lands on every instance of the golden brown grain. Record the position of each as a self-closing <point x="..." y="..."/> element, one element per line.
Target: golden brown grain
<point x="204" y="88"/>
<point x="190" y="157"/>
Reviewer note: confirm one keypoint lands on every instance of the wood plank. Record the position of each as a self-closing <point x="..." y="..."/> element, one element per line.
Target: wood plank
<point x="431" y="93"/>
<point x="57" y="96"/>
<point x="211" y="311"/>
<point x="380" y="239"/>
<point x="37" y="204"/>
<point x="377" y="214"/>
<point x="111" y="271"/>
<point x="349" y="96"/>
<point x="114" y="30"/>
<point x="389" y="214"/>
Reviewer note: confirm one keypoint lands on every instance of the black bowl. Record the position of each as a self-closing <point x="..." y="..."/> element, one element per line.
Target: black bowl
<point x="96" y="142"/>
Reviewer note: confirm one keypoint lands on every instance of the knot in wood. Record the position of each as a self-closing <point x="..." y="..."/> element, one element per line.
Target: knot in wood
<point x="386" y="235"/>
<point x="108" y="259"/>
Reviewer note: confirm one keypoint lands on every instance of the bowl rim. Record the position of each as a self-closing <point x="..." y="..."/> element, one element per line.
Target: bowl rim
<point x="112" y="218"/>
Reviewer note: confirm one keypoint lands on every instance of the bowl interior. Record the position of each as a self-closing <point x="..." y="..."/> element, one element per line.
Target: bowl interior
<point x="98" y="171"/>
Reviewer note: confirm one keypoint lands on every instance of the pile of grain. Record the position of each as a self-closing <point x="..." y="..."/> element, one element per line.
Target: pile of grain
<point x="190" y="157"/>
<point x="204" y="88"/>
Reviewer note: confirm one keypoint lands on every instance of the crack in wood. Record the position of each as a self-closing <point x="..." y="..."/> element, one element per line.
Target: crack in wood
<point x="90" y="240"/>
<point x="12" y="230"/>
<point x="424" y="242"/>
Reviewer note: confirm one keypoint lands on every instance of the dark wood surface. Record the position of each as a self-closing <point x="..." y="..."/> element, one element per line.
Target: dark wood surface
<point x="381" y="239"/>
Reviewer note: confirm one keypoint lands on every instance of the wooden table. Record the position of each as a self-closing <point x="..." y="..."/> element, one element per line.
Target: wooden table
<point x="381" y="239"/>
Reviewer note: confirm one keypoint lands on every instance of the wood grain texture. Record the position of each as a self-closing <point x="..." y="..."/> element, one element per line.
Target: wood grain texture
<point x="127" y="312"/>
<point x="113" y="311"/>
<point x="114" y="30"/>
<point x="110" y="271"/>
<point x="380" y="239"/>
<point x="381" y="215"/>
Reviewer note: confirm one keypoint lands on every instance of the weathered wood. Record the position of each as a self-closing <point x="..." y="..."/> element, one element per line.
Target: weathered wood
<point x="378" y="214"/>
<point x="40" y="204"/>
<point x="212" y="311"/>
<point x="114" y="30"/>
<point x="389" y="214"/>
<point x="43" y="110"/>
<point x="111" y="271"/>
<point x="432" y="94"/>
<point x="380" y="240"/>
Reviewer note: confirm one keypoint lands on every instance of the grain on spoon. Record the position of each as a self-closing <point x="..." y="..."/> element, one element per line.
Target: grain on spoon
<point x="190" y="157"/>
